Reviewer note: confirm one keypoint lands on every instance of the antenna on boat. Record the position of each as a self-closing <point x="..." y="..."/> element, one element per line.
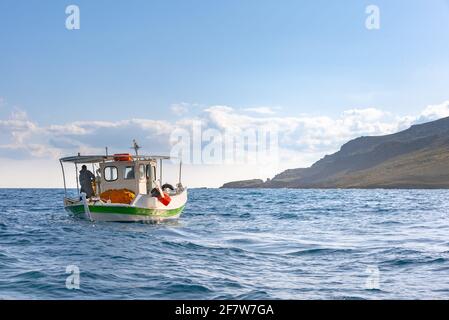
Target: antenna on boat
<point x="106" y="151"/>
<point x="136" y="147"/>
<point x="180" y="173"/>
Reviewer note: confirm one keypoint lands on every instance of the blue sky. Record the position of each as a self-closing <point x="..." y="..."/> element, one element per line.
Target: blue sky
<point x="140" y="56"/>
<point x="136" y="59"/>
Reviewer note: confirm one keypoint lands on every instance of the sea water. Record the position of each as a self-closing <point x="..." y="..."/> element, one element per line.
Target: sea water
<point x="232" y="244"/>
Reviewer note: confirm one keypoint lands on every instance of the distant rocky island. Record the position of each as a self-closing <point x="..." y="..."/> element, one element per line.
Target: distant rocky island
<point x="414" y="158"/>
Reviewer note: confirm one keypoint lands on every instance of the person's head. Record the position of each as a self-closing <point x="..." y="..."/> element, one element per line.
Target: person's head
<point x="84" y="167"/>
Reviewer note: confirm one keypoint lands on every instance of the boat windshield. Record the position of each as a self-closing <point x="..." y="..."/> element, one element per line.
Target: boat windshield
<point x="128" y="173"/>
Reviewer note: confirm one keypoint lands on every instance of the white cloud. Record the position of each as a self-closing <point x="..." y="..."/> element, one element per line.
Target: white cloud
<point x="261" y="110"/>
<point x="183" y="108"/>
<point x="434" y="112"/>
<point x="370" y="114"/>
<point x="302" y="140"/>
<point x="179" y="109"/>
<point x="309" y="133"/>
<point x="18" y="114"/>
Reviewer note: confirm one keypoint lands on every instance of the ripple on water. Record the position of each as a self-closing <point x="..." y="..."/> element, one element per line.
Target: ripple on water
<point x="233" y="244"/>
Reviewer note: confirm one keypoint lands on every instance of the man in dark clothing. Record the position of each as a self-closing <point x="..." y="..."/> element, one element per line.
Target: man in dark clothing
<point x="86" y="179"/>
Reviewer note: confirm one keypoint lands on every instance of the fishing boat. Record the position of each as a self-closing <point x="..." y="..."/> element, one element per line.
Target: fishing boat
<point x="126" y="188"/>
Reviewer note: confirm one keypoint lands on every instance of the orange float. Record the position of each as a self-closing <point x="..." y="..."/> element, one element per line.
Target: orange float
<point x="123" y="157"/>
<point x="124" y="196"/>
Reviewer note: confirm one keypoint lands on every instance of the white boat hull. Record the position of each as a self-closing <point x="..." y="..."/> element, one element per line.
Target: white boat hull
<point x="143" y="209"/>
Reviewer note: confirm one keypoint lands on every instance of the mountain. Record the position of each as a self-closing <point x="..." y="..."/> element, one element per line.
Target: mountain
<point x="414" y="158"/>
<point x="255" y="183"/>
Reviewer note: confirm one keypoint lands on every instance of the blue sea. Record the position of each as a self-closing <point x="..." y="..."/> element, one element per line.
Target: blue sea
<point x="233" y="244"/>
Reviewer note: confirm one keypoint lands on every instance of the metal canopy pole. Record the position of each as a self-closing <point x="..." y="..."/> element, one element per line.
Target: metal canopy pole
<point x="63" y="178"/>
<point x="160" y="171"/>
<point x="95" y="180"/>
<point x="180" y="171"/>
<point x="76" y="175"/>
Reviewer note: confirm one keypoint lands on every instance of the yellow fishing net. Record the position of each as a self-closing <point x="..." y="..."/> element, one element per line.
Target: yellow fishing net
<point x="118" y="196"/>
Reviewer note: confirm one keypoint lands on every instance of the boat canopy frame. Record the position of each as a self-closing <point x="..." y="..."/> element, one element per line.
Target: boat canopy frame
<point x="93" y="159"/>
<point x="102" y="158"/>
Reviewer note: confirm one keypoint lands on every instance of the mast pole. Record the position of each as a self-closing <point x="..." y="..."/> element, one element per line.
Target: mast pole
<point x="180" y="171"/>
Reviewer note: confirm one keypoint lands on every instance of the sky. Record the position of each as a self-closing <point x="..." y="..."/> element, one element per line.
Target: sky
<point x="311" y="70"/>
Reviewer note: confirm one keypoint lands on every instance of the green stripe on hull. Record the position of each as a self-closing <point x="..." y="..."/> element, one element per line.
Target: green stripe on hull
<point x="157" y="213"/>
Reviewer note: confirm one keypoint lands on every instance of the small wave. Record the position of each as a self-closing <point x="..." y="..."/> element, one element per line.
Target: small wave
<point x="388" y="223"/>
<point x="29" y="275"/>
<point x="350" y="298"/>
<point x="414" y="261"/>
<point x="254" y="295"/>
<point x="319" y="251"/>
<point x="193" y="288"/>
<point x="5" y="258"/>
<point x="195" y="248"/>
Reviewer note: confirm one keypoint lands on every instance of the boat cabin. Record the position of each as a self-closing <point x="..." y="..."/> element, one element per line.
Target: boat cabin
<point x="139" y="174"/>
